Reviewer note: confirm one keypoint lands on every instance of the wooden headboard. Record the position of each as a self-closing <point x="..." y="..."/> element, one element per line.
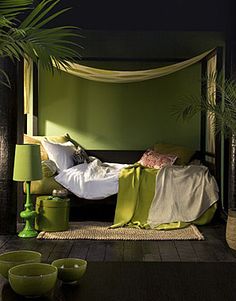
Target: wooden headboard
<point x="132" y="156"/>
<point x="117" y="156"/>
<point x="125" y="156"/>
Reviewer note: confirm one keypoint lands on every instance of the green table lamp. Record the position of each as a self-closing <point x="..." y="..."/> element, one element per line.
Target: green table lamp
<point x="27" y="168"/>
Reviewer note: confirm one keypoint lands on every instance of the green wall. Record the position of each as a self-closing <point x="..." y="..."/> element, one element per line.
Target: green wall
<point x="118" y="116"/>
<point x="126" y="116"/>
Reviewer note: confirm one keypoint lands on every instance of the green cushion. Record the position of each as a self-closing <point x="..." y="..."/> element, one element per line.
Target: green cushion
<point x="183" y="153"/>
<point x="49" y="168"/>
<point x="55" y="139"/>
<point x="44" y="186"/>
<point x="38" y="139"/>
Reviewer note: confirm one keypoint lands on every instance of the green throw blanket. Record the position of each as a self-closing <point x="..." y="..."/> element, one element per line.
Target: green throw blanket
<point x="135" y="195"/>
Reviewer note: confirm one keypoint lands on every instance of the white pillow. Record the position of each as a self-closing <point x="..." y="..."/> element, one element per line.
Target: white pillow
<point x="60" y="153"/>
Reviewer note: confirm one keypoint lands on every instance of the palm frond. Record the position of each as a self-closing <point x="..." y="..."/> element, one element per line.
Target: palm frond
<point x="186" y="107"/>
<point x="7" y="4"/>
<point x="223" y="117"/>
<point x="29" y="38"/>
<point x="9" y="9"/>
<point x="4" y="79"/>
<point x="46" y="45"/>
<point x="41" y="44"/>
<point x="37" y="17"/>
<point x="4" y="22"/>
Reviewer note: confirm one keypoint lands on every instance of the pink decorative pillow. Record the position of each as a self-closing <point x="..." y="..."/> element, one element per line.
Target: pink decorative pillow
<point x="153" y="159"/>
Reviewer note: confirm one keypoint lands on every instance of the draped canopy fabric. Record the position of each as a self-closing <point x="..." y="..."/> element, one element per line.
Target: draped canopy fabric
<point x="114" y="76"/>
<point x="28" y="69"/>
<point x="111" y="76"/>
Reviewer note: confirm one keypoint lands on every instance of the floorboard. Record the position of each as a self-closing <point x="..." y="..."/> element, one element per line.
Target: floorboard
<point x="114" y="251"/>
<point x="203" y="250"/>
<point x="218" y="245"/>
<point x="168" y="251"/>
<point x="185" y="251"/>
<point x="96" y="251"/>
<point x="133" y="251"/>
<point x="213" y="249"/>
<point x="4" y="239"/>
<point x="61" y="250"/>
<point x="80" y="249"/>
<point x="151" y="251"/>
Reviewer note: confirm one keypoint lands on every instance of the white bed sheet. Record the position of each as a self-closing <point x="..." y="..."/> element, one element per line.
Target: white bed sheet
<point x="94" y="180"/>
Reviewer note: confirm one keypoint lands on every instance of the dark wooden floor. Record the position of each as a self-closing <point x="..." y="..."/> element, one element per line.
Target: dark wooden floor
<point x="213" y="249"/>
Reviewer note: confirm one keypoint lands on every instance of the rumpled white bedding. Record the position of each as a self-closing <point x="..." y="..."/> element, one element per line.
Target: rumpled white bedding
<point x="183" y="193"/>
<point x="94" y="180"/>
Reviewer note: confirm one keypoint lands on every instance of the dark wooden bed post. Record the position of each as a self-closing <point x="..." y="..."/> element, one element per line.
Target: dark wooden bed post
<point x="10" y="128"/>
<point x="219" y="140"/>
<point x="35" y="99"/>
<point x="231" y="72"/>
<point x="21" y="122"/>
<point x="218" y="169"/>
<point x="203" y="114"/>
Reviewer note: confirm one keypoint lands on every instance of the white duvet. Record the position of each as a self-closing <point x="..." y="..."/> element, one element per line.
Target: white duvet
<point x="187" y="192"/>
<point x="94" y="180"/>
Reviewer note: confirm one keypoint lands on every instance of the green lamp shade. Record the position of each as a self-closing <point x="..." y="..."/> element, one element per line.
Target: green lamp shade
<point x="27" y="165"/>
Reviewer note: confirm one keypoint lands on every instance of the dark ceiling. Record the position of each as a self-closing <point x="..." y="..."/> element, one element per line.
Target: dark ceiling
<point x="204" y="15"/>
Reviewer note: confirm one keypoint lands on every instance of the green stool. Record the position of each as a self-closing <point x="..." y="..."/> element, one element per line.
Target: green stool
<point x="52" y="213"/>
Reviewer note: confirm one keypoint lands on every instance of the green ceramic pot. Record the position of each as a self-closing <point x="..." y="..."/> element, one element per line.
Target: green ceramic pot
<point x="70" y="270"/>
<point x="52" y="213"/>
<point x="32" y="279"/>
<point x="11" y="259"/>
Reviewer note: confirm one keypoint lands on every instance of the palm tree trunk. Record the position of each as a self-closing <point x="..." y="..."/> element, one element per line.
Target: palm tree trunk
<point x="8" y="138"/>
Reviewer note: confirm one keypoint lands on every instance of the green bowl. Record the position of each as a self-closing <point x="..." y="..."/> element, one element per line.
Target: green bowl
<point x="70" y="270"/>
<point x="11" y="259"/>
<point x="32" y="279"/>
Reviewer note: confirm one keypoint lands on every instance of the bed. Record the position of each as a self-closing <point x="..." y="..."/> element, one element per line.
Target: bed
<point x="97" y="183"/>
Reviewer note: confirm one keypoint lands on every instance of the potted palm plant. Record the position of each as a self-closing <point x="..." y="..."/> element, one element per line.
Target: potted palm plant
<point x="223" y="119"/>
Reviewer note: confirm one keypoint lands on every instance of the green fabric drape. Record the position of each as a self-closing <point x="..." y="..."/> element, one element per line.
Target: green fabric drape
<point x="135" y="195"/>
<point x="136" y="191"/>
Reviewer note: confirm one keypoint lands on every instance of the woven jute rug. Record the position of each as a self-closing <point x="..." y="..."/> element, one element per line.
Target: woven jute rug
<point x="101" y="231"/>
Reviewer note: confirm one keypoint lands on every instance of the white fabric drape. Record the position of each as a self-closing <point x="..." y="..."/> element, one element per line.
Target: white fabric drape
<point x="109" y="76"/>
<point x="114" y="76"/>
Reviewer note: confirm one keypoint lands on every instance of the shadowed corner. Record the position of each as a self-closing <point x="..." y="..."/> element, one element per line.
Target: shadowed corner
<point x="7" y="294"/>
